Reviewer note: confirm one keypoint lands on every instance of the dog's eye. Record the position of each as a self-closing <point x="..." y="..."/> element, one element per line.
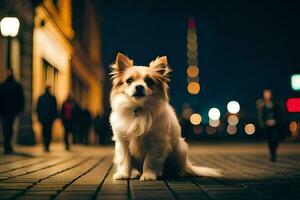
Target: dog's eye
<point x="129" y="80"/>
<point x="149" y="82"/>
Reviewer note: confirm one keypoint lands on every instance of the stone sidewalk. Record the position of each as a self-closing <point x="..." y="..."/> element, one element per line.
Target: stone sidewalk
<point x="86" y="173"/>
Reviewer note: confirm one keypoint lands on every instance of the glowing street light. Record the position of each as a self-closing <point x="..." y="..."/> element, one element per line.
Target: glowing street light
<point x="250" y="129"/>
<point x="214" y="113"/>
<point x="196" y="119"/>
<point x="233" y="107"/>
<point x="9" y="27"/>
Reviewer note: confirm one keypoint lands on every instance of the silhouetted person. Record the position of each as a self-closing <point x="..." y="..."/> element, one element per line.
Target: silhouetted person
<point x="86" y="122"/>
<point x="270" y="119"/>
<point x="99" y="128"/>
<point x="69" y="118"/>
<point x="11" y="104"/>
<point x="47" y="112"/>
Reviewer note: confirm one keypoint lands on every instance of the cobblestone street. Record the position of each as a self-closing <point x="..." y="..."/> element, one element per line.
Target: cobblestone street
<point x="86" y="173"/>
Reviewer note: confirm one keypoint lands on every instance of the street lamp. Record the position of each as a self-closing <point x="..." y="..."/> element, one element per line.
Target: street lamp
<point x="9" y="27"/>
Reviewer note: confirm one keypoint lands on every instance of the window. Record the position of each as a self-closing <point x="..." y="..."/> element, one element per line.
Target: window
<point x="50" y="76"/>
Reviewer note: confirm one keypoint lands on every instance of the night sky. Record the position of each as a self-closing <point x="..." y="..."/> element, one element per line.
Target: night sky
<point x="244" y="46"/>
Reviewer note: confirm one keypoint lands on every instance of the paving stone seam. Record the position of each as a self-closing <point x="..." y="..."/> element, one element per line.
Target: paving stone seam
<point x="94" y="197"/>
<point x="72" y="181"/>
<point x="65" y="160"/>
<point x="40" y="180"/>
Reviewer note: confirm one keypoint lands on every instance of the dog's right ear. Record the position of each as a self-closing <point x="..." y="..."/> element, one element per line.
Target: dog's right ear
<point x="122" y="62"/>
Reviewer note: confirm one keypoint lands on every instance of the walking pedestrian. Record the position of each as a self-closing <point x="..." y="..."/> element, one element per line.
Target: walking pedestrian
<point x="85" y="126"/>
<point x="11" y="104"/>
<point x="269" y="120"/>
<point x="47" y="112"/>
<point x="68" y="117"/>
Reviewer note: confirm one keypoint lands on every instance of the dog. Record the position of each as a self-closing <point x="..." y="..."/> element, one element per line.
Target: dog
<point x="145" y="128"/>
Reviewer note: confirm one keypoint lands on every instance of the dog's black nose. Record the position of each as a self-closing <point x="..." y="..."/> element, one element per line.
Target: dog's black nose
<point x="139" y="89"/>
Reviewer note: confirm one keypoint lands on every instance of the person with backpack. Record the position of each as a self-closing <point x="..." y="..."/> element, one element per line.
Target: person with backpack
<point x="68" y="117"/>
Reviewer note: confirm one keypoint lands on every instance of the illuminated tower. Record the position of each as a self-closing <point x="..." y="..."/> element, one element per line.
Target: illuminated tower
<point x="193" y="86"/>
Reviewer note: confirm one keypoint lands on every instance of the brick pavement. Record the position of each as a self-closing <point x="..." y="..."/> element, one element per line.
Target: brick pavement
<point x="86" y="173"/>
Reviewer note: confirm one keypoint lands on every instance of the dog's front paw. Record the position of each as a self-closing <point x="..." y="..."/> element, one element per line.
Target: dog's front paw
<point x="135" y="173"/>
<point x="148" y="176"/>
<point x="120" y="176"/>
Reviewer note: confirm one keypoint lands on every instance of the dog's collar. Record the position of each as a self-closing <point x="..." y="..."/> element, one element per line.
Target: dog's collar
<point x="136" y="111"/>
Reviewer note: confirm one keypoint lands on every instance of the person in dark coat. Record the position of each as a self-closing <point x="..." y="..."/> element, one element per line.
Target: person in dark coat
<point x="69" y="115"/>
<point x="270" y="121"/>
<point x="85" y="126"/>
<point x="12" y="103"/>
<point x="47" y="112"/>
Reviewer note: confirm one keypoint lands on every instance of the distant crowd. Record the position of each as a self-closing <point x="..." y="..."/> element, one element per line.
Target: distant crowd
<point x="77" y="121"/>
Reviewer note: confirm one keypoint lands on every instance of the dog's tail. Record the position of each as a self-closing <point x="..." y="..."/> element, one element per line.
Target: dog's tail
<point x="202" y="171"/>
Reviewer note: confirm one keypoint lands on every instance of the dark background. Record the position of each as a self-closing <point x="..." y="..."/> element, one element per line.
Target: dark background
<point x="244" y="46"/>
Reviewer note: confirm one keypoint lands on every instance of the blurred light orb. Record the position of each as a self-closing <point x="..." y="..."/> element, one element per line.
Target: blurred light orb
<point x="196" y="119"/>
<point x="197" y="130"/>
<point x="192" y="71"/>
<point x="193" y="88"/>
<point x="231" y="130"/>
<point x="9" y="26"/>
<point x="233" y="107"/>
<point x="249" y="129"/>
<point x="233" y="120"/>
<point x="295" y="82"/>
<point x="210" y="130"/>
<point x="293" y="126"/>
<point x="187" y="112"/>
<point x="214" y="123"/>
<point x="214" y="113"/>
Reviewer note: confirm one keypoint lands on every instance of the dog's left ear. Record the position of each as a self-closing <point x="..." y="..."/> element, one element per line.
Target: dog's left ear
<point x="160" y="65"/>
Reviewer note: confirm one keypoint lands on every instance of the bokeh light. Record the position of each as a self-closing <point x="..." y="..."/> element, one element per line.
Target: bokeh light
<point x="210" y="130"/>
<point x="214" y="123"/>
<point x="192" y="71"/>
<point x="187" y="112"/>
<point x="197" y="129"/>
<point x="233" y="107"/>
<point x="250" y="129"/>
<point x="193" y="88"/>
<point x="196" y="119"/>
<point x="231" y="130"/>
<point x="293" y="126"/>
<point x="295" y="82"/>
<point x="214" y="113"/>
<point x="233" y="120"/>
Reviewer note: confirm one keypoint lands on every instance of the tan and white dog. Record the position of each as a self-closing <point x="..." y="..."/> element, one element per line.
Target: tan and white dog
<point x="146" y="130"/>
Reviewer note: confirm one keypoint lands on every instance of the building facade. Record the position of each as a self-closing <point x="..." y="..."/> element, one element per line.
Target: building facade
<point x="49" y="51"/>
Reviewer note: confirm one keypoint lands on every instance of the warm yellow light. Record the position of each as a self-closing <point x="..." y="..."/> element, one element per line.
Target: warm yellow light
<point x="214" y="123"/>
<point x="231" y="130"/>
<point x="293" y="126"/>
<point x="192" y="71"/>
<point x="250" y="129"/>
<point x="196" y="119"/>
<point x="187" y="112"/>
<point x="192" y="46"/>
<point x="9" y="26"/>
<point x="193" y="88"/>
<point x="233" y="120"/>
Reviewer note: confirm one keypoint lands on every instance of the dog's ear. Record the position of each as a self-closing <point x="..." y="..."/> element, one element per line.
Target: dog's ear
<point x="123" y="62"/>
<point x="160" y="65"/>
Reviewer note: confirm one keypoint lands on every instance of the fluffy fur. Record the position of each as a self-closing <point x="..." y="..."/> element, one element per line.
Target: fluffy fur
<point x="146" y="131"/>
